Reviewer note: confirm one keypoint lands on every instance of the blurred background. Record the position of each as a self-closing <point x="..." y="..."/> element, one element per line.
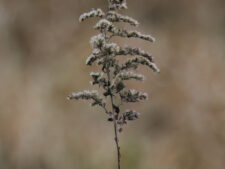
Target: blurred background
<point x="43" y="49"/>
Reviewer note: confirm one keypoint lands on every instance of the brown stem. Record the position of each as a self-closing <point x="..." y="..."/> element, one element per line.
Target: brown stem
<point x="113" y="112"/>
<point x="115" y="123"/>
<point x="116" y="135"/>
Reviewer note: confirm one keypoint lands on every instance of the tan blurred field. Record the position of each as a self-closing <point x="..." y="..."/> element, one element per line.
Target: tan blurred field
<point x="43" y="49"/>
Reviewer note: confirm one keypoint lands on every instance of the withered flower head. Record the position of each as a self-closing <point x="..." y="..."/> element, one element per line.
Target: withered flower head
<point x="113" y="75"/>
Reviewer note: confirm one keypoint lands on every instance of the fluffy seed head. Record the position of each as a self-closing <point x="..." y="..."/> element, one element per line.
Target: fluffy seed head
<point x="115" y="17"/>
<point x="103" y="24"/>
<point x="131" y="115"/>
<point x="132" y="95"/>
<point x="92" y="13"/>
<point x="97" y="41"/>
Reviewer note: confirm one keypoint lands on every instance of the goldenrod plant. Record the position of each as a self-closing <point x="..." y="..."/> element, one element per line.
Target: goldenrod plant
<point x="111" y="79"/>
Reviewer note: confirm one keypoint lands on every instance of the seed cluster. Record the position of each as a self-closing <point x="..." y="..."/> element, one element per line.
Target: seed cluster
<point x="112" y="79"/>
<point x="92" y="13"/>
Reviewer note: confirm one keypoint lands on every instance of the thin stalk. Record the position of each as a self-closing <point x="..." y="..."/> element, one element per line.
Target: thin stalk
<point x="116" y="135"/>
<point x="113" y="112"/>
<point x="114" y="122"/>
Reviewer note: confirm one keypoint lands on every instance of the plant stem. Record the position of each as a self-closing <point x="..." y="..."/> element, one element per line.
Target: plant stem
<point x="114" y="122"/>
<point x="116" y="135"/>
<point x="113" y="112"/>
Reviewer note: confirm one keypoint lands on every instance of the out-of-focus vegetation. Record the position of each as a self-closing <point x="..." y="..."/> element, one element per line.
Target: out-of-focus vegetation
<point x="43" y="50"/>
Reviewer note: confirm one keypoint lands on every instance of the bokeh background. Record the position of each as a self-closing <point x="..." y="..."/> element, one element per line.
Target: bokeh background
<point x="43" y="49"/>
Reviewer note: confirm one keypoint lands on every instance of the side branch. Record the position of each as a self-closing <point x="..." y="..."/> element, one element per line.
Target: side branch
<point x="135" y="51"/>
<point x="131" y="34"/>
<point x="106" y="25"/>
<point x="92" y="13"/>
<point x="115" y="17"/>
<point x="88" y="95"/>
<point x="134" y="62"/>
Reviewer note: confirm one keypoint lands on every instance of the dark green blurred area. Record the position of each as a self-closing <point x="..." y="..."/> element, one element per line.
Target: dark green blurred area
<point x="43" y="50"/>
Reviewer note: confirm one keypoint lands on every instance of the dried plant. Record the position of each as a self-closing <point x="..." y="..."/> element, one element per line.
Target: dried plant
<point x="114" y="74"/>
